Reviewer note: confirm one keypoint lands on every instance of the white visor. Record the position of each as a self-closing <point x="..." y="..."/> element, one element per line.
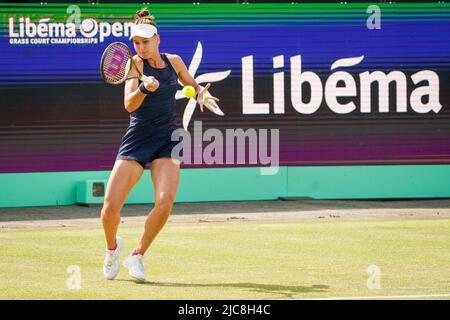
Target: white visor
<point x="143" y="30"/>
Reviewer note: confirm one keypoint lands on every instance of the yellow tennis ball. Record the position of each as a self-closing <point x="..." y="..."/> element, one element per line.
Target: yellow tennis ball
<point x="189" y="91"/>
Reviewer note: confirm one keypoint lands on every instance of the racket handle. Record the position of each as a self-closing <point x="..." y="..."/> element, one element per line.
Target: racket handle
<point x="146" y="79"/>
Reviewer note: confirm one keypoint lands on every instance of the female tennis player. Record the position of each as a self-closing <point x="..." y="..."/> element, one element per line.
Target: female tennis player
<point x="147" y="140"/>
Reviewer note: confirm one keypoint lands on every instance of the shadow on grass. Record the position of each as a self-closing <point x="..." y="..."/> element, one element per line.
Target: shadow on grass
<point x="284" y="291"/>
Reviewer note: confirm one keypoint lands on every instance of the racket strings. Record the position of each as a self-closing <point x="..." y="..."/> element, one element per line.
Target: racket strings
<point x="115" y="64"/>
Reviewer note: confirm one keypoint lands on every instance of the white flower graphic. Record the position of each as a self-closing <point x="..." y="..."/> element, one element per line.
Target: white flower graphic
<point x="204" y="78"/>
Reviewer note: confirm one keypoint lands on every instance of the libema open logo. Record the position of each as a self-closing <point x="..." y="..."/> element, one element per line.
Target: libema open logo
<point x="422" y="85"/>
<point x="87" y="31"/>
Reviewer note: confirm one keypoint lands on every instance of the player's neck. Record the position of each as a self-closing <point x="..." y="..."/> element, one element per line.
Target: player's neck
<point x="156" y="61"/>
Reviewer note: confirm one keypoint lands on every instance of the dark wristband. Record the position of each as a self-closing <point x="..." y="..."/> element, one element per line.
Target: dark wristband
<point x="143" y="89"/>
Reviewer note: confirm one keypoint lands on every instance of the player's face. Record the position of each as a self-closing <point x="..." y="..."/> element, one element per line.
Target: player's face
<point x="146" y="47"/>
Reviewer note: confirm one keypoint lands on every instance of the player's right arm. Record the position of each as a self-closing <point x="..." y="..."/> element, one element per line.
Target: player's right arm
<point x="133" y="97"/>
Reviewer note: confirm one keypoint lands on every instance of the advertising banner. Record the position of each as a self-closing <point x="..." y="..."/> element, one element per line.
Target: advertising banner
<point x="299" y="84"/>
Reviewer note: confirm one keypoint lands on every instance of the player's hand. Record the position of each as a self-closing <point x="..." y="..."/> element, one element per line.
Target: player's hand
<point x="153" y="86"/>
<point x="204" y="98"/>
<point x="139" y="65"/>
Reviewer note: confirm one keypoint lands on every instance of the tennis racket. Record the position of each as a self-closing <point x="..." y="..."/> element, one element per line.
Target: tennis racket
<point x="116" y="64"/>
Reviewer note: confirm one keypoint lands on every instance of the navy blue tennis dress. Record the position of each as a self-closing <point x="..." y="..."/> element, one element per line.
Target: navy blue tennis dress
<point x="148" y="136"/>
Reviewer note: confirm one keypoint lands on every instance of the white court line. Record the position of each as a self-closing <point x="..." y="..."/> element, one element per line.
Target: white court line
<point x="384" y="297"/>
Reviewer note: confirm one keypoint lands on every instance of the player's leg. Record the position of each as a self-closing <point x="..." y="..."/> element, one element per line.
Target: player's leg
<point x="165" y="176"/>
<point x="125" y="174"/>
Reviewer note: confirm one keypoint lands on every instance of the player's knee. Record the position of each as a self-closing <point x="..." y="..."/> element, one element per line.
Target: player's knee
<point x="110" y="211"/>
<point x="164" y="203"/>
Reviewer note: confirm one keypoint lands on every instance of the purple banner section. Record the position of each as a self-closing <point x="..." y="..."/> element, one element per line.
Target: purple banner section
<point x="44" y="135"/>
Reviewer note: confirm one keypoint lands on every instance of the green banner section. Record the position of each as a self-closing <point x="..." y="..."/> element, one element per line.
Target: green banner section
<point x="223" y="13"/>
<point x="238" y="184"/>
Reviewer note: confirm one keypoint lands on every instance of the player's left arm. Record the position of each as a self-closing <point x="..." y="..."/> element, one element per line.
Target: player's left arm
<point x="203" y="96"/>
<point x="183" y="74"/>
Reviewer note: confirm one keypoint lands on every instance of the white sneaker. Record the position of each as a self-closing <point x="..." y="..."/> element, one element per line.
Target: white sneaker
<point x="111" y="265"/>
<point x="135" y="267"/>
